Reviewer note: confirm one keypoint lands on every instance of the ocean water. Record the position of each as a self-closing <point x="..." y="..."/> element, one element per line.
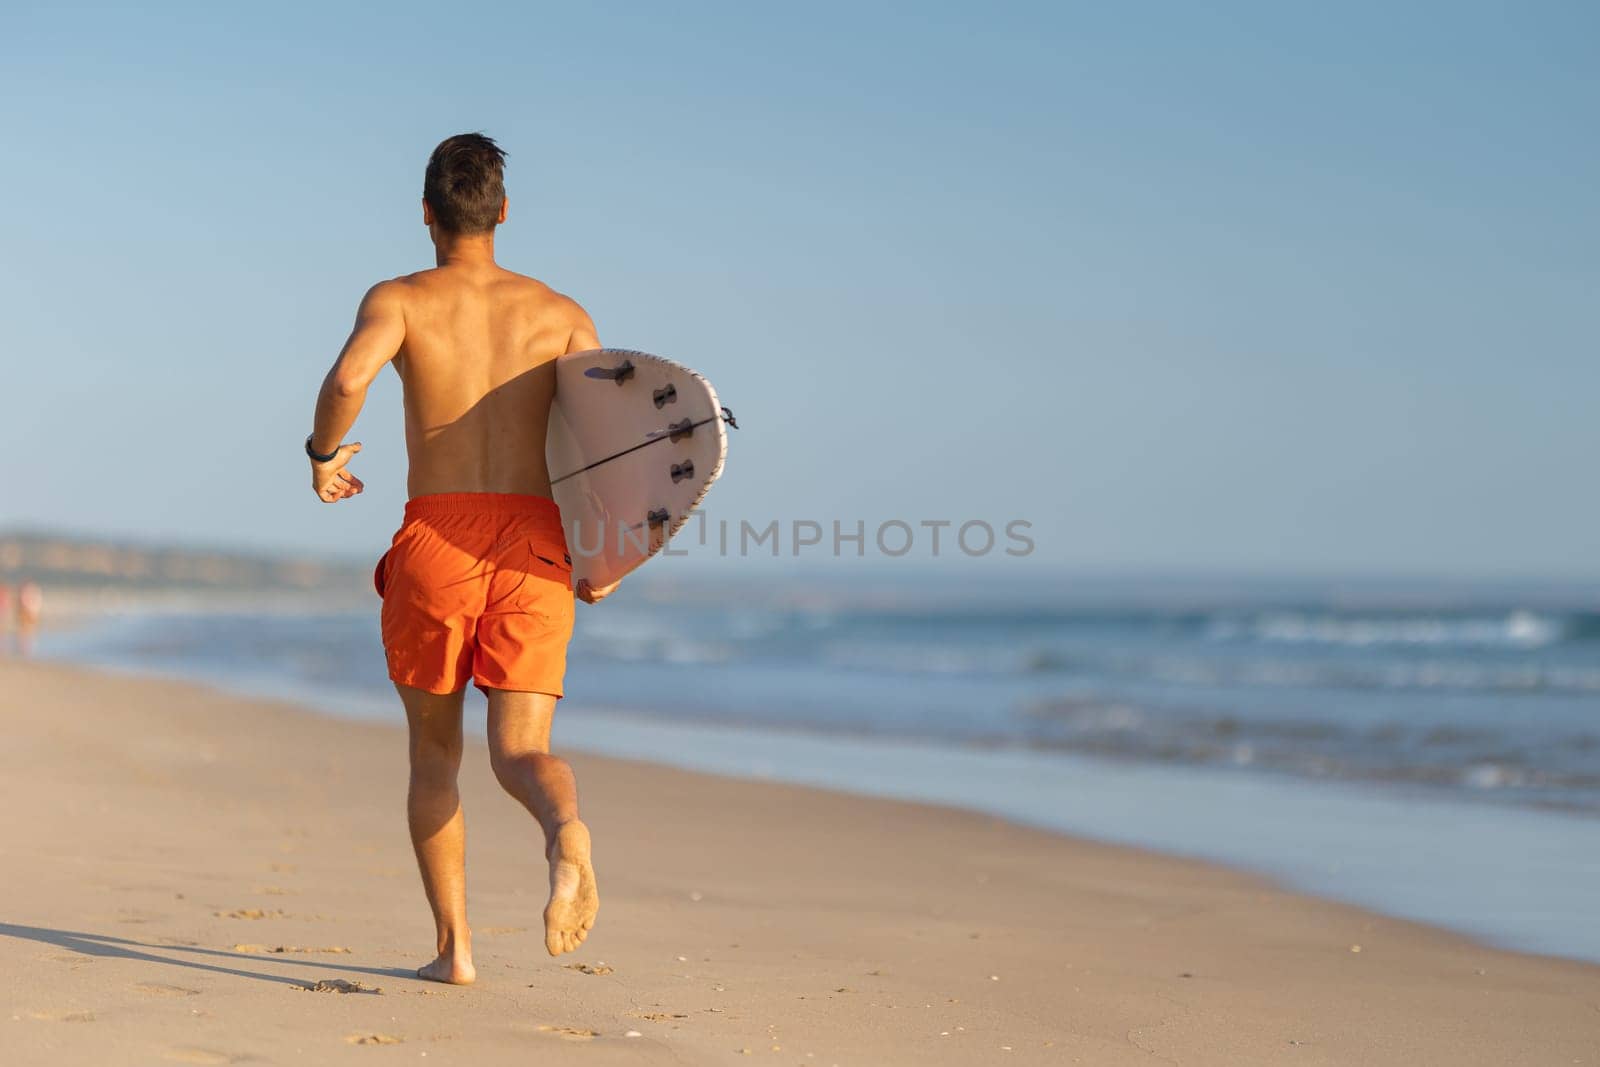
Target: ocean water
<point x="1463" y="726"/>
<point x="1495" y="704"/>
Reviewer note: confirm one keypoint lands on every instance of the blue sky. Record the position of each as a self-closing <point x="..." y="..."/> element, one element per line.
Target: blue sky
<point x="1263" y="287"/>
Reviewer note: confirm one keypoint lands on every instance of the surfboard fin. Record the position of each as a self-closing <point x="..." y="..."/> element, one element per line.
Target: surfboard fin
<point x="619" y="374"/>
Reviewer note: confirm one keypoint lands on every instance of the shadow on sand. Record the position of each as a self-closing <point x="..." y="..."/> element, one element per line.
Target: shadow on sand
<point x="106" y="946"/>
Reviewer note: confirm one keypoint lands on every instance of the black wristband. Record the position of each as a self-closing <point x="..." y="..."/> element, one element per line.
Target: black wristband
<point x="318" y="457"/>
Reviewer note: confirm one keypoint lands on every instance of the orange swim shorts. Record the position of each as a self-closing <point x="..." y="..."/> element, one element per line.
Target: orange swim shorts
<point x="477" y="586"/>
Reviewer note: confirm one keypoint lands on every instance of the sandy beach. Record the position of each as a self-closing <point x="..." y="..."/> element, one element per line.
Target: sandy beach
<point x="182" y="864"/>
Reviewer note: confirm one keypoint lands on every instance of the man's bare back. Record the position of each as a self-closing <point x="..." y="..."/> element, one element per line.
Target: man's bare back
<point x="478" y="365"/>
<point x="475" y="346"/>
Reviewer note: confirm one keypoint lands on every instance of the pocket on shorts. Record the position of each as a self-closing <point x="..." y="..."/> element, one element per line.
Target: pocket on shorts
<point x="551" y="563"/>
<point x="538" y="582"/>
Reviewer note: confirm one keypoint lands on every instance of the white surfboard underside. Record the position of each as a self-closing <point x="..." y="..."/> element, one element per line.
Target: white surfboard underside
<point x="629" y="460"/>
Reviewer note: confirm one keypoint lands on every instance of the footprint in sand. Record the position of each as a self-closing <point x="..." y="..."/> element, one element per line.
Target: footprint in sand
<point x="339" y="985"/>
<point x="157" y="989"/>
<point x="373" y="1039"/>
<point x="598" y="968"/>
<point x="262" y="950"/>
<point x="203" y="1055"/>
<point x="251" y="913"/>
<point x="68" y="1017"/>
<point x="571" y="1033"/>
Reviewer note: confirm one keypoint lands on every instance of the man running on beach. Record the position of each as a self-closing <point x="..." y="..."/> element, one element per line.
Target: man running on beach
<point x="477" y="585"/>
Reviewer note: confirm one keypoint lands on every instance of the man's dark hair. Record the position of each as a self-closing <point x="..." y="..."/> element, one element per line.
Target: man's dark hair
<point x="465" y="183"/>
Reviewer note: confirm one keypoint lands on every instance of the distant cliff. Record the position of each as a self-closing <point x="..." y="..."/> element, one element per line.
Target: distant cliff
<point x="58" y="561"/>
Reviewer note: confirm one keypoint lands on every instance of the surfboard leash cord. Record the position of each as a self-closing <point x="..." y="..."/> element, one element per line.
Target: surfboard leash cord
<point x="675" y="432"/>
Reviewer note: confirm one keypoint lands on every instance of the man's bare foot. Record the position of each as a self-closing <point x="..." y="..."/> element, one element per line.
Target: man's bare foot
<point x="573" y="897"/>
<point x="453" y="967"/>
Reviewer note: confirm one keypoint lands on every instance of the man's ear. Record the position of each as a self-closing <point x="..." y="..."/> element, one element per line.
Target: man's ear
<point x="504" y="203"/>
<point x="427" y="212"/>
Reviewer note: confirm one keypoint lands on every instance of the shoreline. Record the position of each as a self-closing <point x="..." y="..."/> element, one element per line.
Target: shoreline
<point x="163" y="817"/>
<point x="1499" y="874"/>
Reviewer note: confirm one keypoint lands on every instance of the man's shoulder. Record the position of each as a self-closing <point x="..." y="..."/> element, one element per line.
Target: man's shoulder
<point x="403" y="285"/>
<point x="535" y="289"/>
<point x="414" y="291"/>
<point x="421" y="289"/>
<point x="386" y="297"/>
<point x="397" y="290"/>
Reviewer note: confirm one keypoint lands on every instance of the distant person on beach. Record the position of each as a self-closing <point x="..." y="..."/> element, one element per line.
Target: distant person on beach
<point x="30" y="609"/>
<point x="477" y="584"/>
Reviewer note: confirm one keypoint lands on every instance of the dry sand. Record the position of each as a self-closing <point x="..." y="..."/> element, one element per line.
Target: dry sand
<point x="179" y="865"/>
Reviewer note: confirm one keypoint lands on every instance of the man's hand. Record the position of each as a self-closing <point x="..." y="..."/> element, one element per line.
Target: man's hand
<point x="330" y="481"/>
<point x="590" y="595"/>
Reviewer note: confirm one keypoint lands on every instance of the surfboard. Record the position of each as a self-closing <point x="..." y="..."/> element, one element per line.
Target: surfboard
<point x="635" y="443"/>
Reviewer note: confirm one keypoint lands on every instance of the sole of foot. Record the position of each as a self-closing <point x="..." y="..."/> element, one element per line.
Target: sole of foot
<point x="574" y="900"/>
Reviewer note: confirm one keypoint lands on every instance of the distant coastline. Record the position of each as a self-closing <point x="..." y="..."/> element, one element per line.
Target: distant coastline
<point x="88" y="575"/>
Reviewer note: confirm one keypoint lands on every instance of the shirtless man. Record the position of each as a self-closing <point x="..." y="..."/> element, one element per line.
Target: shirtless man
<point x="477" y="584"/>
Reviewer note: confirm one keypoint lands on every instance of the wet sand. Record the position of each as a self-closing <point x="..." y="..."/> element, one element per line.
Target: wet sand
<point x="192" y="877"/>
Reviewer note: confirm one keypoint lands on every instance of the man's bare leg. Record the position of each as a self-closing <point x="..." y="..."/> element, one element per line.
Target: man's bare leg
<point x="438" y="829"/>
<point x="519" y="752"/>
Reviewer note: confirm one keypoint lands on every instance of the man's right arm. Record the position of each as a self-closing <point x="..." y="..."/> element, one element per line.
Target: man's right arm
<point x="379" y="331"/>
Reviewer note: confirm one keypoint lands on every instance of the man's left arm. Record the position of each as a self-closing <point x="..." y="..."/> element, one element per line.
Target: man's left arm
<point x="379" y="331"/>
